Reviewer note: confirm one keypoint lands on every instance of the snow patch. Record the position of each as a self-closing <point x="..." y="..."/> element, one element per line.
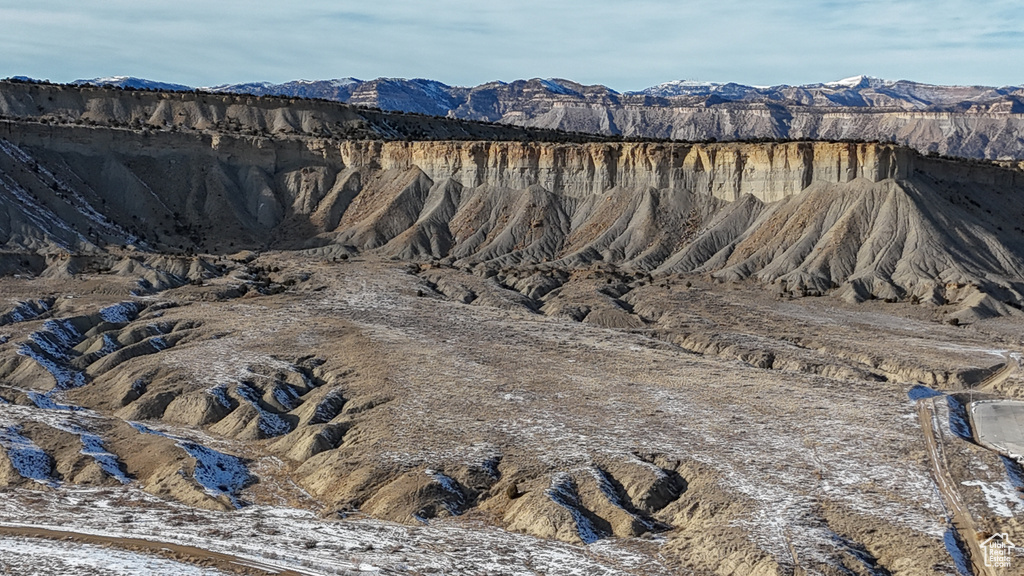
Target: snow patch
<point x="25" y="311"/>
<point x="220" y="392"/>
<point x="53" y="346"/>
<point x="1014" y="472"/>
<point x="110" y="344"/>
<point x="958" y="423"/>
<point x="28" y="459"/>
<point x="920" y="392"/>
<point x="41" y="216"/>
<point x="953" y="546"/>
<point x="450" y="486"/>
<point x="158" y="343"/>
<point x="133" y="82"/>
<point x="57" y="337"/>
<point x="605" y="484"/>
<point x="563" y="493"/>
<point x="286" y="396"/>
<point x="48" y="557"/>
<point x="65" y="377"/>
<point x="270" y="424"/>
<point x="121" y="313"/>
<point x="554" y="86"/>
<point x="1001" y="497"/>
<point x="218" y="473"/>
<point x="860" y="81"/>
<point x="72" y="196"/>
<point x="92" y="446"/>
<point x="46" y="402"/>
<point x="328" y="408"/>
<point x="275" y="536"/>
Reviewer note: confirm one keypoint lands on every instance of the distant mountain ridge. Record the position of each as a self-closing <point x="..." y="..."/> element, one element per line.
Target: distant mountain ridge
<point x="132" y="82"/>
<point x="969" y="121"/>
<point x="857" y="91"/>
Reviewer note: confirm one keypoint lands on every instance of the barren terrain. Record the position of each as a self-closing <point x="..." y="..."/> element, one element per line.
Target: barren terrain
<point x="751" y="434"/>
<point x="499" y="357"/>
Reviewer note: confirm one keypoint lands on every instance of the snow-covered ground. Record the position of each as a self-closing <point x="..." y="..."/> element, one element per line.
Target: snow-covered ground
<point x="298" y="540"/>
<point x="32" y="557"/>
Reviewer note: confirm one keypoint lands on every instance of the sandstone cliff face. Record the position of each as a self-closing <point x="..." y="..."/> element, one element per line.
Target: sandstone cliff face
<point x="769" y="172"/>
<point x="865" y="220"/>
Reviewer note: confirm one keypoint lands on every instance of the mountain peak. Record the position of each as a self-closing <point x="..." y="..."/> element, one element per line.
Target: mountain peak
<point x="133" y="82"/>
<point x="557" y="86"/>
<point x="861" y="81"/>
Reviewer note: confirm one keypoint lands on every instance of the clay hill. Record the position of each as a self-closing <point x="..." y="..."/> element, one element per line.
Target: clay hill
<point x="965" y="121"/>
<point x="84" y="168"/>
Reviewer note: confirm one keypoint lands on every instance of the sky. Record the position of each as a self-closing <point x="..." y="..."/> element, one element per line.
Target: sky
<point x="626" y="45"/>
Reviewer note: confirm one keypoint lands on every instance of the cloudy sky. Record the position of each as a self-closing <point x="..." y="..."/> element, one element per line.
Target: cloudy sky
<point x="623" y="44"/>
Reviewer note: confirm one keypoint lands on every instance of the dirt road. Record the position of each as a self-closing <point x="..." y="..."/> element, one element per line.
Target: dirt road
<point x="960" y="516"/>
<point x="178" y="552"/>
<point x="1011" y="366"/>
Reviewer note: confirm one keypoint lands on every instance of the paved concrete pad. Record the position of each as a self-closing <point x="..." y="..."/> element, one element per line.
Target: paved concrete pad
<point x="999" y="424"/>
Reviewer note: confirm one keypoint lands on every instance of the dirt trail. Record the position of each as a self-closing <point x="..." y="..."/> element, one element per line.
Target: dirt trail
<point x="1012" y="363"/>
<point x="178" y="552"/>
<point x="960" y="516"/>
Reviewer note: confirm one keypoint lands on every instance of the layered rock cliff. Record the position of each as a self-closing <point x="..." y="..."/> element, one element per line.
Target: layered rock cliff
<point x="768" y="172"/>
<point x="867" y="220"/>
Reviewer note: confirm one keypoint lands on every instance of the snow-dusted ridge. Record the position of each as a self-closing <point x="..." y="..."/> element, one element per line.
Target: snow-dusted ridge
<point x="343" y="88"/>
<point x="133" y="82"/>
<point x="859" y="82"/>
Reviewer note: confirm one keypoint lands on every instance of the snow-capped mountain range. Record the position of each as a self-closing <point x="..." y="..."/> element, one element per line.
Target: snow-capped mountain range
<point x="422" y="95"/>
<point x="914" y="113"/>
